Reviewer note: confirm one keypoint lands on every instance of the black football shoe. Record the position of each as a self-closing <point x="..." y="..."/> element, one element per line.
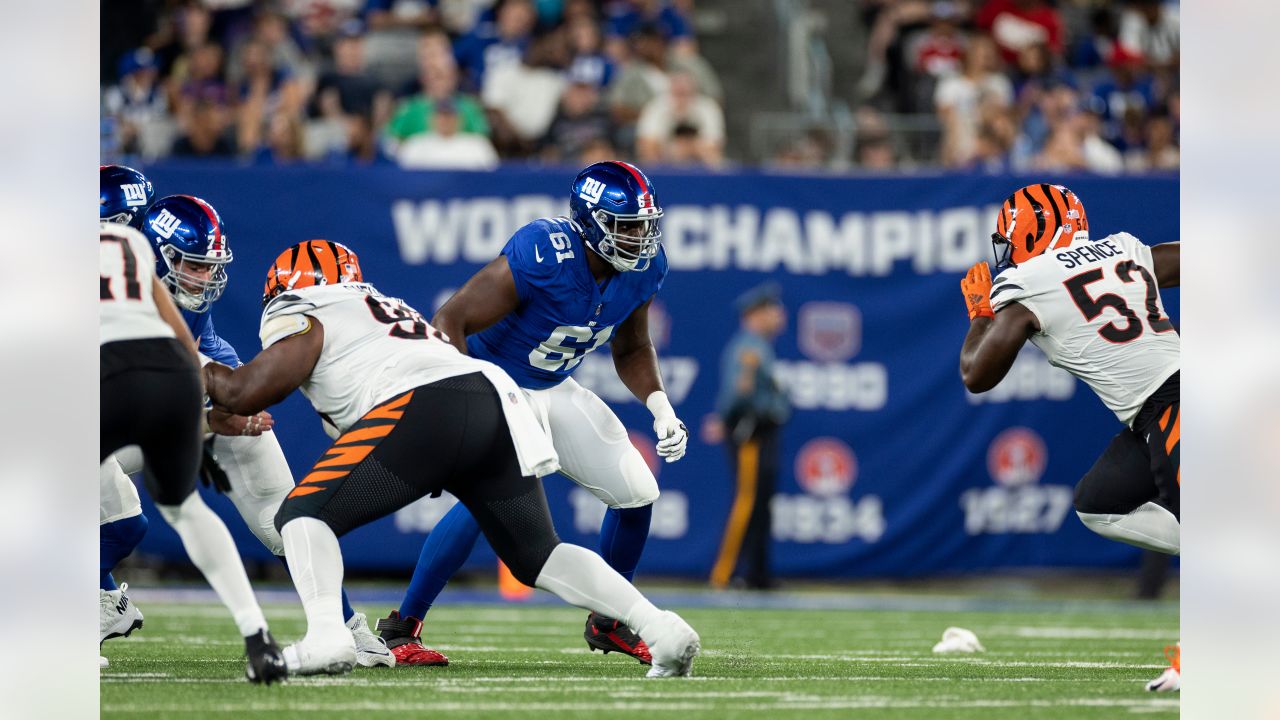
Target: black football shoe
<point x="609" y="635"/>
<point x="266" y="663"/>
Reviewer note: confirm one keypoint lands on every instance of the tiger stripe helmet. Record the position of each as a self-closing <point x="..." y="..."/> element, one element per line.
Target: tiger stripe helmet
<point x="1034" y="219"/>
<point x="310" y="263"/>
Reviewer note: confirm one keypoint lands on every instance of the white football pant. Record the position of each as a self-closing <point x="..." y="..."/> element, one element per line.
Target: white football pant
<point x="593" y="446"/>
<point x="255" y="466"/>
<point x="117" y="496"/>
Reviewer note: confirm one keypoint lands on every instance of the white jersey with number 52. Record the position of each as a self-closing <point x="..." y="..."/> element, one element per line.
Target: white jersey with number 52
<point x="127" y="270"/>
<point x="1100" y="314"/>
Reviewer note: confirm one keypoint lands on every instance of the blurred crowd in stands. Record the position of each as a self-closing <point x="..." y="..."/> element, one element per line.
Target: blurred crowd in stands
<point x="425" y="83"/>
<point x="1024" y="84"/>
<point x="1013" y="84"/>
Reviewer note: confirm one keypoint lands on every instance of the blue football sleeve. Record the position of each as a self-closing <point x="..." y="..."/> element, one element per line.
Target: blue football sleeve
<point x="531" y="259"/>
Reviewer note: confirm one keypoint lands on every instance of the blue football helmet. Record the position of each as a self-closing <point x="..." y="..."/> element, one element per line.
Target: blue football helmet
<point x="123" y="194"/>
<point x="191" y="247"/>
<point x="614" y="205"/>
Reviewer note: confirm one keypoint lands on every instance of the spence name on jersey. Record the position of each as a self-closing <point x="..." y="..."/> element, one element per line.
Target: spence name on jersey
<point x="563" y="313"/>
<point x="1100" y="316"/>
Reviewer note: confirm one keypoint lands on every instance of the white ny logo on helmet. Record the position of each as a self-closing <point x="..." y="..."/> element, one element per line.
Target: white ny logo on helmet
<point x="135" y="194"/>
<point x="592" y="189"/>
<point x="165" y="224"/>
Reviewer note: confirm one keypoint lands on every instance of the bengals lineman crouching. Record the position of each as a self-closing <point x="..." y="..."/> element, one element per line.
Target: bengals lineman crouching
<point x="412" y="417"/>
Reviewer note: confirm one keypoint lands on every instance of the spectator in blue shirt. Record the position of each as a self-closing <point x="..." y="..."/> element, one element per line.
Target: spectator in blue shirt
<point x="588" y="63"/>
<point x="502" y="40"/>
<point x="1128" y="90"/>
<point x="624" y="17"/>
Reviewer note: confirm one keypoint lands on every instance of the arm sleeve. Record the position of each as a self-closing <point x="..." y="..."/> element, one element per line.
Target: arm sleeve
<point x="531" y="258"/>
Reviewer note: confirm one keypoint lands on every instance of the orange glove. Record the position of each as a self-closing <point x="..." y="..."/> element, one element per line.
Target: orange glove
<point x="976" y="287"/>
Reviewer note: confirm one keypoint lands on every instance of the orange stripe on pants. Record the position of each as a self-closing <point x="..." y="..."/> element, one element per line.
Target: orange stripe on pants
<point x="1174" y="434"/>
<point x="743" y="504"/>
<point x="344" y="455"/>
<point x="316" y="476"/>
<point x="368" y="433"/>
<point x="299" y="491"/>
<point x="389" y="410"/>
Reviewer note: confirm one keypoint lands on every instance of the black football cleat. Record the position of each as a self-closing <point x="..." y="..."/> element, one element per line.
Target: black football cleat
<point x="266" y="663"/>
<point x="609" y="635"/>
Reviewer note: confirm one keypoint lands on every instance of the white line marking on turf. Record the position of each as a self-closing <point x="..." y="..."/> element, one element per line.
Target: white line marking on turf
<point x="860" y="703"/>
<point x="1080" y="633"/>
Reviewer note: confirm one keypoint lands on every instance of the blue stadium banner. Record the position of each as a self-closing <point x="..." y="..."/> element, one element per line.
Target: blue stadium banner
<point x="890" y="467"/>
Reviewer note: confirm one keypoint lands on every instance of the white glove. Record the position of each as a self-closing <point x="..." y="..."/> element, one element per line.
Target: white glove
<point x="673" y="436"/>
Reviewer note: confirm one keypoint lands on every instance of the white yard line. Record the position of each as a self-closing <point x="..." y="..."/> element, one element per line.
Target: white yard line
<point x="649" y="706"/>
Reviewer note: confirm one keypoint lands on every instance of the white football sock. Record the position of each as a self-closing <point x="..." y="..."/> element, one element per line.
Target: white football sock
<point x="211" y="549"/>
<point x="581" y="577"/>
<point x="1150" y="526"/>
<point x="315" y="562"/>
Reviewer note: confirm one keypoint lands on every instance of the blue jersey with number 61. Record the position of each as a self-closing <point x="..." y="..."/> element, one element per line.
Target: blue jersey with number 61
<point x="563" y="313"/>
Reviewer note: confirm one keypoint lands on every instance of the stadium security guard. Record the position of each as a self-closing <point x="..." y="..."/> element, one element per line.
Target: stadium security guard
<point x="752" y="408"/>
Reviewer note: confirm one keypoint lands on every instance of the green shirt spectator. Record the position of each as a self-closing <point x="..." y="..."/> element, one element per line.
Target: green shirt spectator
<point x="415" y="115"/>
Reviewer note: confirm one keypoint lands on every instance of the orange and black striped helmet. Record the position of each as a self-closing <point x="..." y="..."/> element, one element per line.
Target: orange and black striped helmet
<point x="1034" y="219"/>
<point x="314" y="262"/>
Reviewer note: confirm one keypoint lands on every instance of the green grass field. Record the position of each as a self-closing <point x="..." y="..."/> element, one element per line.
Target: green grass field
<point x="1079" y="659"/>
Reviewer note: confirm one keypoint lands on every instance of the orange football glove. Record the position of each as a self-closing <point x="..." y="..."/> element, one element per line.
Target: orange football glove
<point x="976" y="287"/>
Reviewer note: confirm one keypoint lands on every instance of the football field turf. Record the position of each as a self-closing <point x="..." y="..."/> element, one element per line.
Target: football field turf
<point x="872" y="659"/>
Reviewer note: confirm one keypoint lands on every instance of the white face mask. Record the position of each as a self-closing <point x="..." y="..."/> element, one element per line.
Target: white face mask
<point x="193" y="292"/>
<point x="630" y="241"/>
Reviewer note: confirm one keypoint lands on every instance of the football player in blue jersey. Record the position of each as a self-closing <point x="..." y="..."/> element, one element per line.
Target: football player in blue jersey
<point x="192" y="255"/>
<point x="124" y="194"/>
<point x="562" y="288"/>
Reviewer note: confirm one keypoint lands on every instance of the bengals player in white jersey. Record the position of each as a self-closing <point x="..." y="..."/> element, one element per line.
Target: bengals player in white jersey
<point x="1093" y="307"/>
<point x="411" y="416"/>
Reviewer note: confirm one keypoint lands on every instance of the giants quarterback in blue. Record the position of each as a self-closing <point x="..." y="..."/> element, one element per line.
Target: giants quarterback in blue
<point x="562" y="288"/>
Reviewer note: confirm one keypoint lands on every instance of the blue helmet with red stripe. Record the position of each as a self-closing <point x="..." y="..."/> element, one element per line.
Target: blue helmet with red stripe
<point x="123" y="194"/>
<point x="191" y="247"/>
<point x="615" y="206"/>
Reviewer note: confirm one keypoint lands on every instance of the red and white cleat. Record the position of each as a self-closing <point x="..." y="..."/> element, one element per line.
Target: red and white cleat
<point x="404" y="638"/>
